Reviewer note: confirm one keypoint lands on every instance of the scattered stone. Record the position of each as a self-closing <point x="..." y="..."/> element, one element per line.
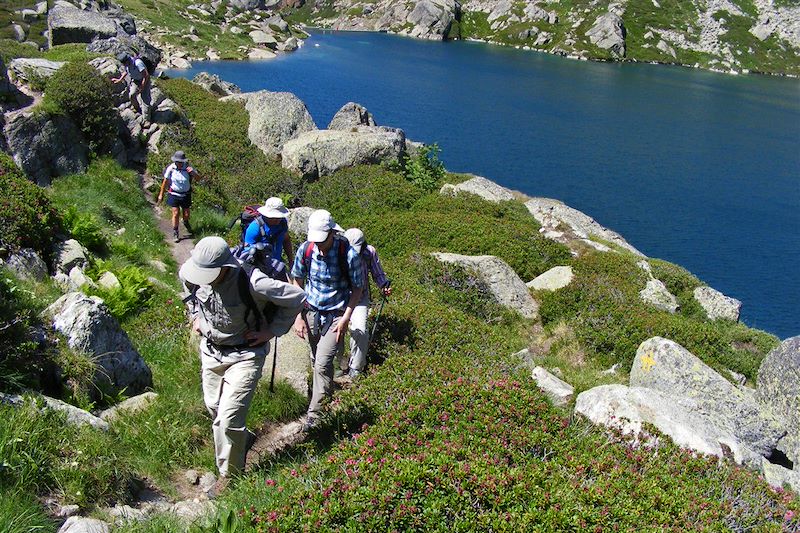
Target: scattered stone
<point x="158" y="265"/>
<point x="79" y="279"/>
<point x="323" y="152"/>
<point x="19" y="33"/>
<point x="560" y="392"/>
<point x="79" y="524"/>
<point x="130" y="406"/>
<point x="27" y="264"/>
<point x="613" y="370"/>
<point x="644" y="265"/>
<point x="552" y="280"/>
<point x="608" y="33"/>
<point x="213" y="84"/>
<point x="75" y="416"/>
<point x="73" y="25"/>
<point x="275" y="118"/>
<point x="167" y="112"/>
<point x="192" y="476"/>
<point x="657" y="295"/>
<point x="717" y="305"/>
<point x="351" y="115"/>
<point x="298" y="220"/>
<point x="109" y="281"/>
<point x="180" y="63"/>
<point x="207" y="480"/>
<point x="90" y="328"/>
<point x="663" y="365"/>
<point x="778" y="389"/>
<point x="486" y="189"/>
<point x="192" y="510"/>
<point x="126" y="513"/>
<point x="66" y="511"/>
<point x="260" y="53"/>
<point x="508" y="289"/>
<point x="667" y="49"/>
<point x="778" y="476"/>
<point x="45" y="146"/>
<point x="263" y="38"/>
<point x="69" y="254"/>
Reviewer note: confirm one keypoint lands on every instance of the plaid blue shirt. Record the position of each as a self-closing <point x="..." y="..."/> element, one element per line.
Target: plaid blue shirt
<point x="326" y="288"/>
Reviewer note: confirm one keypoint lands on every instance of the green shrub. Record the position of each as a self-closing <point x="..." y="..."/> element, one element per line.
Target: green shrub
<point x="424" y="169"/>
<point x="133" y="294"/>
<point x="27" y="219"/>
<point x="84" y="228"/>
<point x="80" y="92"/>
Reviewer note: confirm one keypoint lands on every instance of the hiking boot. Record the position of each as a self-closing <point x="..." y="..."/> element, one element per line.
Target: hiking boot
<point x="218" y="487"/>
<point x="355" y="374"/>
<point x="188" y="227"/>
<point x="310" y="423"/>
<point x="176" y="235"/>
<point x="251" y="439"/>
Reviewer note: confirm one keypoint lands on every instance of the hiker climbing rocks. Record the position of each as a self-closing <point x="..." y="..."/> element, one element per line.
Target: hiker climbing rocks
<point x="177" y="181"/>
<point x="229" y="306"/>
<point x="271" y="228"/>
<point x="330" y="271"/>
<point x="138" y="84"/>
<point x="359" y="336"/>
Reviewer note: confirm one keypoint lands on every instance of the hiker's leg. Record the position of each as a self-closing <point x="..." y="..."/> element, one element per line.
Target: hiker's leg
<point x="133" y="97"/>
<point x="230" y="434"/>
<point x="186" y="214"/>
<point x="144" y="101"/>
<point x="359" y="336"/>
<point x="211" y="374"/>
<point x="175" y="218"/>
<point x="324" y="355"/>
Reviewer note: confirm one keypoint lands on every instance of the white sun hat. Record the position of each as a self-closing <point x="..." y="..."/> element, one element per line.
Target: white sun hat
<point x="320" y="223"/>
<point x="274" y="208"/>
<point x="356" y="238"/>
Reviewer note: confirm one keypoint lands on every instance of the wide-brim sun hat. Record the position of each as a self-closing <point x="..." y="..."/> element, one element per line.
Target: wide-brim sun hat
<point x="179" y="157"/>
<point x="274" y="208"/>
<point x="356" y="238"/>
<point x="320" y="224"/>
<point x="208" y="258"/>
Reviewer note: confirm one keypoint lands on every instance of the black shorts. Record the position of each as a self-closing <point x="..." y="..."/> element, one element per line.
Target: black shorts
<point x="184" y="201"/>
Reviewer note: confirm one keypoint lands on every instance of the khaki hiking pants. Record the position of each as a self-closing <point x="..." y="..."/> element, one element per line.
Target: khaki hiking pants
<point x="324" y="350"/>
<point x="359" y="336"/>
<point x="228" y="389"/>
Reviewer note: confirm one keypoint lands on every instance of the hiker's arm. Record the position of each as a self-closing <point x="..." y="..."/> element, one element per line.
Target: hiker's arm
<point x="378" y="274"/>
<point x="288" y="298"/>
<point x="287" y="247"/>
<point x="161" y="192"/>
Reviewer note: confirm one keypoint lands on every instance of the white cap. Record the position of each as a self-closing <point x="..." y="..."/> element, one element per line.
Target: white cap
<point x="320" y="223"/>
<point x="356" y="238"/>
<point x="274" y="208"/>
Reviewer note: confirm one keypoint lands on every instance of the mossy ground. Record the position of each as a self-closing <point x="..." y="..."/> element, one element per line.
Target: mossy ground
<point x="446" y="432"/>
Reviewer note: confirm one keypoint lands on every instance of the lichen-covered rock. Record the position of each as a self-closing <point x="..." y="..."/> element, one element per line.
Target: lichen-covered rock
<point x="275" y="118"/>
<point x="46" y="146"/>
<point x="552" y="214"/>
<point x="778" y="476"/>
<point x="215" y="85"/>
<point x="552" y="280"/>
<point x="27" y="264"/>
<point x="717" y="305"/>
<point x="323" y="152"/>
<point x="486" y="189"/>
<point x="73" y="25"/>
<point x="506" y="286"/>
<point x="663" y="365"/>
<point x="80" y="524"/>
<point x="90" y="328"/>
<point x="33" y="69"/>
<point x="351" y="115"/>
<point x="608" y="32"/>
<point x="127" y="44"/>
<point x="298" y="220"/>
<point x="656" y="294"/>
<point x="69" y="254"/>
<point x="560" y="392"/>
<point x="778" y="389"/>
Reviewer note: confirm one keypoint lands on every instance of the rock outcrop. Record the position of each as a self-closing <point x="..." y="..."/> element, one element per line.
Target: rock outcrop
<point x="778" y="389"/>
<point x="46" y="146"/>
<point x="656" y="294"/>
<point x="298" y="220"/>
<point x="424" y="19"/>
<point x="127" y="44"/>
<point x="33" y="69"/>
<point x="89" y="328"/>
<point x="68" y="24"/>
<point x="506" y="287"/>
<point x="717" y="305"/>
<point x="663" y="365"/>
<point x="215" y="85"/>
<point x="779" y="477"/>
<point x="68" y="255"/>
<point x="323" y="152"/>
<point x="27" y="264"/>
<point x="350" y="116"/>
<point x="552" y="280"/>
<point x="486" y="189"/>
<point x="80" y="524"/>
<point x="275" y="118"/>
<point x="608" y="32"/>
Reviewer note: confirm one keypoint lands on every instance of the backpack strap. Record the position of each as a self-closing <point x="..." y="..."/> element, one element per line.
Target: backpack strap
<point x="243" y="284"/>
<point x="307" y="251"/>
<point x="261" y="226"/>
<point x="344" y="266"/>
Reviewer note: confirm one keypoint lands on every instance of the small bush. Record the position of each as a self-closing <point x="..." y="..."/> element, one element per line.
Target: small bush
<point x="27" y="219"/>
<point x="424" y="169"/>
<point x="80" y="92"/>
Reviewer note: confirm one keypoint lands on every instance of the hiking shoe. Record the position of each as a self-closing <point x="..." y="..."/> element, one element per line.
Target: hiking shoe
<point x="251" y="439"/>
<point x="217" y="488"/>
<point x="310" y="423"/>
<point x="176" y="235"/>
<point x="355" y="374"/>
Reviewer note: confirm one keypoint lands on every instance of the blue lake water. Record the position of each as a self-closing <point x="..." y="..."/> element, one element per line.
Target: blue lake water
<point x="697" y="168"/>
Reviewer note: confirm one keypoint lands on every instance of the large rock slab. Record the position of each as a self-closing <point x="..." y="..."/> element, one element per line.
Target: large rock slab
<point x="778" y="476"/>
<point x="323" y="152"/>
<point x="778" y="389"/>
<point x="45" y="147"/>
<point x="298" y="220"/>
<point x="552" y="280"/>
<point x="89" y="327"/>
<point x="486" y="189"/>
<point x="73" y="25"/>
<point x="656" y="294"/>
<point x="629" y="408"/>
<point x="68" y="255"/>
<point x="351" y="115"/>
<point x="717" y="305"/>
<point x="292" y="364"/>
<point x="431" y="19"/>
<point x="215" y="85"/>
<point x="507" y="288"/>
<point x="275" y="118"/>
<point x="551" y="214"/>
<point x="663" y="365"/>
<point x="27" y="264"/>
<point x="608" y="32"/>
<point x="33" y="69"/>
<point x="560" y="392"/>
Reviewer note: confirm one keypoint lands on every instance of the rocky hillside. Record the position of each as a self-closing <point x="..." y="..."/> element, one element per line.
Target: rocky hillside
<point x="725" y="35"/>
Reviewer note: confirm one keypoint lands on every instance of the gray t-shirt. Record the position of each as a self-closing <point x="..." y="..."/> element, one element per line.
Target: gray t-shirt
<point x="137" y="70"/>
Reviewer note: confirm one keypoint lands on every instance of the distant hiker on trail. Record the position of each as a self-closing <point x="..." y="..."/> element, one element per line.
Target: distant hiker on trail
<point x="271" y="228"/>
<point x="177" y="181"/>
<point x="225" y="302"/>
<point x="330" y="271"/>
<point x="138" y="83"/>
<point x="359" y="336"/>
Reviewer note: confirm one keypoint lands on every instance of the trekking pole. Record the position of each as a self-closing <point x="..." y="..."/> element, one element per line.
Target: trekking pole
<point x="377" y="318"/>
<point x="274" y="362"/>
